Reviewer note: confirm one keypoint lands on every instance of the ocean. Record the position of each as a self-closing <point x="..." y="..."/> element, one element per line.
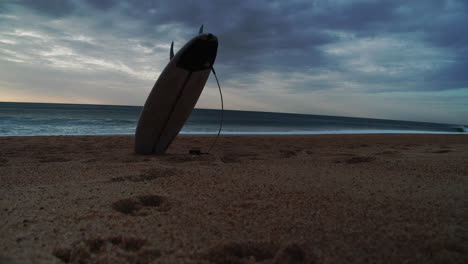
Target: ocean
<point x="43" y="119"/>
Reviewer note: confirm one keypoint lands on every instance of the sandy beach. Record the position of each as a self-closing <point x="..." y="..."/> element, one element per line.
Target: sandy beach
<point x="254" y="199"/>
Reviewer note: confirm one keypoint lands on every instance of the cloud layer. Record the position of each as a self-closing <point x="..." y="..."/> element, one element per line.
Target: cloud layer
<point x="384" y="59"/>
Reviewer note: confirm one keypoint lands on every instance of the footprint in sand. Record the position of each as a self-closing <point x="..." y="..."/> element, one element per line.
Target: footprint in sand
<point x="359" y="159"/>
<point x="287" y="153"/>
<point x="388" y="152"/>
<point x="53" y="159"/>
<point x="442" y="151"/>
<point x="230" y="159"/>
<point x="98" y="250"/>
<point x="141" y="205"/>
<point x="180" y="158"/>
<point x="148" y="175"/>
<point x="134" y="160"/>
<point x="3" y="162"/>
<point x="238" y="156"/>
<point x="243" y="252"/>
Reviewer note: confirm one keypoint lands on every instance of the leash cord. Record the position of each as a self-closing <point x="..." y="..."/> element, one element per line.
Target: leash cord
<point x="222" y="112"/>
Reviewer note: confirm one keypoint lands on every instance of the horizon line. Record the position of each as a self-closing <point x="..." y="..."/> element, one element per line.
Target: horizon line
<point x="289" y="113"/>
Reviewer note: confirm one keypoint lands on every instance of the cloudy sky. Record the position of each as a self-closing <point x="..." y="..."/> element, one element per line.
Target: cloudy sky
<point x="391" y="59"/>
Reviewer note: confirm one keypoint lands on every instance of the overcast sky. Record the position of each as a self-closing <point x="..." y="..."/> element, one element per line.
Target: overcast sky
<point x="405" y="60"/>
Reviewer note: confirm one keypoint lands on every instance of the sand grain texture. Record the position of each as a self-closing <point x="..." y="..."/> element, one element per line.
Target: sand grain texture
<point x="255" y="199"/>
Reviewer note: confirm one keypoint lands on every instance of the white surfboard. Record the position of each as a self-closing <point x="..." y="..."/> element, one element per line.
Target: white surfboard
<point x="175" y="94"/>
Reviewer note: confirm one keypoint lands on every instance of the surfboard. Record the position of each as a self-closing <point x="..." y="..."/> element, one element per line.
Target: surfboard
<point x="175" y="94"/>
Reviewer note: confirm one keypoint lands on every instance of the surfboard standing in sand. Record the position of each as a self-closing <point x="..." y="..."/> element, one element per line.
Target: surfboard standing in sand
<point x="175" y="94"/>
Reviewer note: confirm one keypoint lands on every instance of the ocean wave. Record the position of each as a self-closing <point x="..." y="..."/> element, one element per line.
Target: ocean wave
<point x="460" y="129"/>
<point x="319" y="132"/>
<point x="49" y="119"/>
<point x="323" y="132"/>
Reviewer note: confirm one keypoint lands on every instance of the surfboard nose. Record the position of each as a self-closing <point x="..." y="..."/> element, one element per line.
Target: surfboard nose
<point x="211" y="37"/>
<point x="201" y="54"/>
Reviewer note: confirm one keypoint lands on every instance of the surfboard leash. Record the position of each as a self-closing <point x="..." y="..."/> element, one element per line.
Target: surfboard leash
<point x="222" y="111"/>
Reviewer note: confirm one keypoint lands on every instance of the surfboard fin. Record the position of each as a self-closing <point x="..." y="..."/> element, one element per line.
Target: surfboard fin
<point x="200" y="31"/>
<point x="171" y="53"/>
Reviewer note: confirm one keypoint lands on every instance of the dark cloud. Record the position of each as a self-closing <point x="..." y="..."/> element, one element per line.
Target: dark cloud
<point x="453" y="76"/>
<point x="101" y="4"/>
<point x="54" y="8"/>
<point x="256" y="35"/>
<point x="360" y="16"/>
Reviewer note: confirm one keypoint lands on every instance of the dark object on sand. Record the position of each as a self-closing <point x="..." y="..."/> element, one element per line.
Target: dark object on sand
<point x="175" y="94"/>
<point x="195" y="152"/>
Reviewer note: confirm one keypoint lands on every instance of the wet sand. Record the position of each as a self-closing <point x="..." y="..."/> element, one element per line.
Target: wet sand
<point x="254" y="199"/>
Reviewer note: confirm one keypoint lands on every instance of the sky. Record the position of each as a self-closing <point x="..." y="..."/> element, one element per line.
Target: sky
<point x="394" y="59"/>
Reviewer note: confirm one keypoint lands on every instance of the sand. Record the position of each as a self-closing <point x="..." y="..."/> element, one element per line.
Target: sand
<point x="255" y="199"/>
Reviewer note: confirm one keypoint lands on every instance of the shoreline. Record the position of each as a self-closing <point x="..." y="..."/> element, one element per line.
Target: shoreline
<point x="274" y="133"/>
<point x="381" y="198"/>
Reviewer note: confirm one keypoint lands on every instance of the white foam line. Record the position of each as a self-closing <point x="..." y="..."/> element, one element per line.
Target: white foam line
<point x="325" y="132"/>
